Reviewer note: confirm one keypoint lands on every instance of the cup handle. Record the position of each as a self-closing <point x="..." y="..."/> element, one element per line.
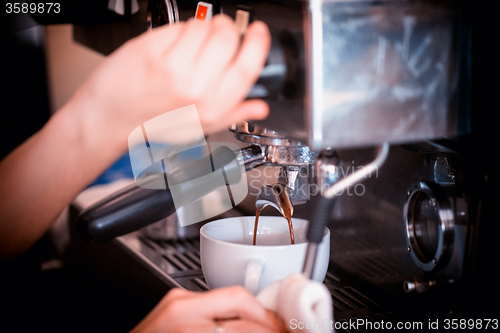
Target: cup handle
<point x="252" y="275"/>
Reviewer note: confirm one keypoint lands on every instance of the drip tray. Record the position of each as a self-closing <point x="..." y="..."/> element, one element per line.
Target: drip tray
<point x="178" y="263"/>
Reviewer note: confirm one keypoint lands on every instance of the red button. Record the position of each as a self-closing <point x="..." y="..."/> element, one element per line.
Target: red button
<point x="201" y="13"/>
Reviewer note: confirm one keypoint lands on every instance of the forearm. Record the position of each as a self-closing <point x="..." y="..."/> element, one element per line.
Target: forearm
<point x="43" y="175"/>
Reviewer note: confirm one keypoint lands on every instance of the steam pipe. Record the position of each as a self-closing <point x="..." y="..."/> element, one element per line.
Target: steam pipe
<point x="322" y="210"/>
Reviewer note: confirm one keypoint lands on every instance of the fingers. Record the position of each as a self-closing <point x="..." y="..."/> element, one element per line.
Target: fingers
<point x="233" y="308"/>
<point x="202" y="63"/>
<point x="223" y="303"/>
<point x="231" y="302"/>
<point x="191" y="40"/>
<point x="236" y="81"/>
<point x="246" y="67"/>
<point x="254" y="109"/>
<point x="218" y="51"/>
<point x="161" y="39"/>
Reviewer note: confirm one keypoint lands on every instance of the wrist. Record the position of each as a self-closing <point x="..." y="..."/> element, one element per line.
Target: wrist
<point x="92" y="133"/>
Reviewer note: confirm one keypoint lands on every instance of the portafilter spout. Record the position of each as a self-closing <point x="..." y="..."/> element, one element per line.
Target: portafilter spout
<point x="276" y="196"/>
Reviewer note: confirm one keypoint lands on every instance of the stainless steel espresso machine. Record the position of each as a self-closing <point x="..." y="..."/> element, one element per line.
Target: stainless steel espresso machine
<point x="376" y="134"/>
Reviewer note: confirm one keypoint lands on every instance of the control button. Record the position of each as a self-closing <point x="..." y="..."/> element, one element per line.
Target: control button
<point x="243" y="17"/>
<point x="204" y="11"/>
<point x="118" y="6"/>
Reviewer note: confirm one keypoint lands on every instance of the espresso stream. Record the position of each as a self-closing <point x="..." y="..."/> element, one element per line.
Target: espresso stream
<point x="287" y="214"/>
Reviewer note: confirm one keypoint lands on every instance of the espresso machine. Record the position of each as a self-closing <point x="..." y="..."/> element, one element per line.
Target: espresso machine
<point x="375" y="133"/>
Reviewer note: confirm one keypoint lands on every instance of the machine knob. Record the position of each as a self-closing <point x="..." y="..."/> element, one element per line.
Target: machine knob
<point x="120" y="6"/>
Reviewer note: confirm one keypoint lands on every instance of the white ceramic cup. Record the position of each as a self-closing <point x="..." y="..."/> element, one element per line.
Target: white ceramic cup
<point x="228" y="257"/>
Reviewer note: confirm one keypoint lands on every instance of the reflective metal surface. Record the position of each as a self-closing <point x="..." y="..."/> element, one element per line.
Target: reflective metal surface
<point x="429" y="225"/>
<point x="290" y="155"/>
<point x="178" y="264"/>
<point x="169" y="228"/>
<point x="248" y="132"/>
<point x="276" y="148"/>
<point x="270" y="196"/>
<point x="369" y="229"/>
<point x="161" y="12"/>
<point x="271" y="148"/>
<point x="422" y="286"/>
<point x="252" y="157"/>
<point x="359" y="175"/>
<point x="296" y="178"/>
<point x="380" y="72"/>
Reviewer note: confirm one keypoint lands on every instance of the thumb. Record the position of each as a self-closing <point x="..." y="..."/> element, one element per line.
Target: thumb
<point x="255" y="109"/>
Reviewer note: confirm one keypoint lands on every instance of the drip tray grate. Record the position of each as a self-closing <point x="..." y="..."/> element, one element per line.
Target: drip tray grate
<point x="180" y="260"/>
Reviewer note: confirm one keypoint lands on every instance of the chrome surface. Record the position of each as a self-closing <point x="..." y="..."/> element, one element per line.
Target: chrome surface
<point x="270" y="148"/>
<point x="175" y="10"/>
<point x="290" y="155"/>
<point x="361" y="174"/>
<point x="270" y="196"/>
<point x="289" y="176"/>
<point x="421" y="285"/>
<point x="161" y="12"/>
<point x="296" y="180"/>
<point x="313" y="44"/>
<point x="443" y="173"/>
<point x="418" y="286"/>
<point x="310" y="260"/>
<point x="377" y="72"/>
<point x="327" y="169"/>
<point x="136" y="244"/>
<point x="276" y="148"/>
<point x="178" y="264"/>
<point x="429" y="223"/>
<point x="253" y="156"/>
<point x="247" y="132"/>
<point x="169" y="228"/>
<point x="338" y="189"/>
<point x="293" y="161"/>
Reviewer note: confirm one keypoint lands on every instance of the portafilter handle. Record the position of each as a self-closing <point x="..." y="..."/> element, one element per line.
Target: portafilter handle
<point x="135" y="207"/>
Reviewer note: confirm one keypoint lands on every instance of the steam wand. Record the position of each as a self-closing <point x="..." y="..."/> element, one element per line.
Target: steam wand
<point x="321" y="213"/>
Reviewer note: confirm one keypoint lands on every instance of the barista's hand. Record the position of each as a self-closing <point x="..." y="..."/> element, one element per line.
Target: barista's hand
<point x="201" y="63"/>
<point x="234" y="308"/>
<point x="193" y="62"/>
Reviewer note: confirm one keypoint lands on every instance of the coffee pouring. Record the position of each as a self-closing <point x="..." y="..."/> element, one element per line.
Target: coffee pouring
<point x="276" y="196"/>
